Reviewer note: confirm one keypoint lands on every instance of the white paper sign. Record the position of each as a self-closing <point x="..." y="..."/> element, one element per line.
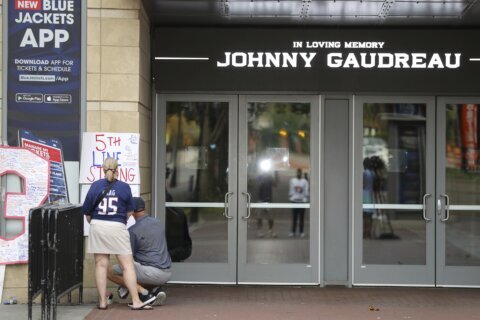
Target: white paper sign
<point x="35" y="173"/>
<point x="97" y="146"/>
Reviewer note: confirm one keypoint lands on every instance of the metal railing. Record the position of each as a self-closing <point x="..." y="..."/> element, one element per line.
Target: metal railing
<point x="55" y="248"/>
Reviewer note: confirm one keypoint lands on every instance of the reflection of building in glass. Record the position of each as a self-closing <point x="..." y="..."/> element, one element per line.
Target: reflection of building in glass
<point x="462" y="137"/>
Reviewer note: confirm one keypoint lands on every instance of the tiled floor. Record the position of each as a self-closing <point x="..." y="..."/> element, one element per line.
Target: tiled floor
<point x="332" y="303"/>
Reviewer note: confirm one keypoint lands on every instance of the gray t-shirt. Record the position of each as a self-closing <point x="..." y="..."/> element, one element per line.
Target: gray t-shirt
<point x="298" y="190"/>
<point x="149" y="246"/>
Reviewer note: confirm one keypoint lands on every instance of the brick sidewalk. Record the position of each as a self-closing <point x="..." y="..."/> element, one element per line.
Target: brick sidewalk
<point x="282" y="303"/>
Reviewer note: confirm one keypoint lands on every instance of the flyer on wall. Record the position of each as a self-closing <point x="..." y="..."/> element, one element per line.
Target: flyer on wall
<point x="96" y="147"/>
<point x="51" y="150"/>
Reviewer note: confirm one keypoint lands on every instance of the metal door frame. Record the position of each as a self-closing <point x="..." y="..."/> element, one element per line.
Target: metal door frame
<point x="394" y="275"/>
<point x="450" y="276"/>
<point x="304" y="274"/>
<point x="211" y="273"/>
<point x="232" y="272"/>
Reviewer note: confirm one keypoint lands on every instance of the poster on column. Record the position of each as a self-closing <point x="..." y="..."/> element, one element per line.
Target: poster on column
<point x="96" y="147"/>
<point x="33" y="171"/>
<point x="51" y="150"/>
<point x="44" y="72"/>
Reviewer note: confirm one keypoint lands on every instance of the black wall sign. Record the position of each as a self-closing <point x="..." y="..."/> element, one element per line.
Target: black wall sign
<point x="44" y="72"/>
<point x="319" y="60"/>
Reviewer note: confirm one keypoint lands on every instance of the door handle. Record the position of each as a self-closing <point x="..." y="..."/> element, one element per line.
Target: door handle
<point x="249" y="197"/>
<point x="425" y="196"/>
<point x="447" y="207"/>
<point x="225" y="212"/>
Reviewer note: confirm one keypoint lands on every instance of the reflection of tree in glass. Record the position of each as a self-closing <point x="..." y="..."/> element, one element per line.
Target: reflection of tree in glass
<point x="452" y="124"/>
<point x="199" y="127"/>
<point x="301" y="108"/>
<point x="214" y="132"/>
<point x="284" y="125"/>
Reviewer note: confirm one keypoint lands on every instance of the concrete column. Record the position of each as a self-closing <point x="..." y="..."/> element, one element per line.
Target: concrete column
<point x="118" y="74"/>
<point x="118" y="87"/>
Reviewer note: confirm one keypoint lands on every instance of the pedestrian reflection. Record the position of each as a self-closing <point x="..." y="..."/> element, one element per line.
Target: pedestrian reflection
<point x="368" y="197"/>
<point x="298" y="193"/>
<point x="265" y="183"/>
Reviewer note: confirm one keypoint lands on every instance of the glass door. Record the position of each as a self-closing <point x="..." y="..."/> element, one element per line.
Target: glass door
<point x="417" y="192"/>
<point x="278" y="218"/>
<point x="246" y="176"/>
<point x="458" y="192"/>
<point x="197" y="176"/>
<point x="394" y="191"/>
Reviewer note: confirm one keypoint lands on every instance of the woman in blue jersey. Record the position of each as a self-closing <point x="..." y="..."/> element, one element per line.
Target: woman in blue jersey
<point x="108" y="232"/>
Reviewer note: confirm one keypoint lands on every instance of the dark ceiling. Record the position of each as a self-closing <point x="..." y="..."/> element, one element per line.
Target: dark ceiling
<point x="423" y="13"/>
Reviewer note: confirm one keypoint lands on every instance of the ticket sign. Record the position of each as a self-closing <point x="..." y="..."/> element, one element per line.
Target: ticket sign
<point x="97" y="146"/>
<point x="51" y="150"/>
<point x="44" y="71"/>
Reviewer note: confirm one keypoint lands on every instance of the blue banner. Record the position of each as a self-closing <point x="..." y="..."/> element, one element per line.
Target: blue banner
<point x="44" y="72"/>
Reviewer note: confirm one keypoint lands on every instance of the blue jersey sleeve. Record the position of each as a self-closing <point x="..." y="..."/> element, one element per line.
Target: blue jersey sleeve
<point x="87" y="208"/>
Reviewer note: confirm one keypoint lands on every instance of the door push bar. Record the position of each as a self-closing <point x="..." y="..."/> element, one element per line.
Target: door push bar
<point x="249" y="198"/>
<point x="225" y="212"/>
<point x="447" y="207"/>
<point x="425" y="196"/>
<point x="439" y="207"/>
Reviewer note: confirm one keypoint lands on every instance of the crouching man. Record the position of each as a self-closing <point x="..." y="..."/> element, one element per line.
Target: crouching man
<point x="152" y="260"/>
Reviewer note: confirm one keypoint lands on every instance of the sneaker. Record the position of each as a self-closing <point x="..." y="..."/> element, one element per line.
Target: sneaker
<point x="160" y="295"/>
<point x="302" y="235"/>
<point x="291" y="235"/>
<point x="272" y="234"/>
<point x="122" y="292"/>
<point x="147" y="298"/>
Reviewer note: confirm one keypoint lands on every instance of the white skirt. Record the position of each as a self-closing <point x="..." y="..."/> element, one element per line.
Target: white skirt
<point x="108" y="237"/>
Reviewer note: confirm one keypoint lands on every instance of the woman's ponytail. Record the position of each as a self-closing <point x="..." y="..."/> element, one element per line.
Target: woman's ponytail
<point x="110" y="166"/>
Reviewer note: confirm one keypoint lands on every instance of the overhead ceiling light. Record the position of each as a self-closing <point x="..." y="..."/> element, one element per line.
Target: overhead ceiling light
<point x="386" y="6"/>
<point x="305" y="8"/>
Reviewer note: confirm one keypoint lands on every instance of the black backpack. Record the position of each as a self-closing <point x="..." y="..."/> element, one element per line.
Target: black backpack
<point x="179" y="242"/>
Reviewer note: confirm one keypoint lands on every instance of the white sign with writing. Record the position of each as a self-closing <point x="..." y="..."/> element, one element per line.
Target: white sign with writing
<point x="33" y="170"/>
<point x="97" y="146"/>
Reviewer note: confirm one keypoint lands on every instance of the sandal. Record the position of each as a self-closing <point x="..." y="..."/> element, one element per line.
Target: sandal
<point x="145" y="306"/>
